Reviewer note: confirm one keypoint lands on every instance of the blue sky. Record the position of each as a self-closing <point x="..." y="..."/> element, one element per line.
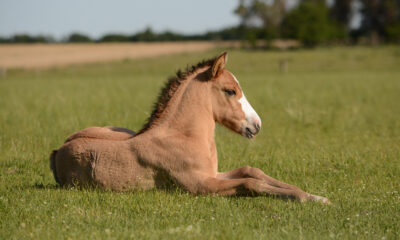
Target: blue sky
<point x="98" y="17"/>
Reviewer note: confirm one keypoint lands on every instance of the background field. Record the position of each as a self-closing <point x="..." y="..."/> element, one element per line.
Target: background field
<point x="330" y="125"/>
<point x="42" y="56"/>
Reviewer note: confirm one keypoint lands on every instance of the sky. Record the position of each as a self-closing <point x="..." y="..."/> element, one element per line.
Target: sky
<point x="59" y="18"/>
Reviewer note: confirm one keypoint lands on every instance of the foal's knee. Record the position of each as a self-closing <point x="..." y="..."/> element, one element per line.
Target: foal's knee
<point x="252" y="172"/>
<point x="253" y="185"/>
<point x="246" y="171"/>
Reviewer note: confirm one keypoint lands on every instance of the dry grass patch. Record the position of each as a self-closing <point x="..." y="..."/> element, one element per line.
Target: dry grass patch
<point x="50" y="55"/>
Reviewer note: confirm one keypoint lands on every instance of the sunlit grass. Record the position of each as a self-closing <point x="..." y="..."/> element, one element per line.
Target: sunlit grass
<point x="330" y="125"/>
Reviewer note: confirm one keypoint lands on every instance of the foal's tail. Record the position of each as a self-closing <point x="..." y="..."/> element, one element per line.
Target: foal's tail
<point x="53" y="165"/>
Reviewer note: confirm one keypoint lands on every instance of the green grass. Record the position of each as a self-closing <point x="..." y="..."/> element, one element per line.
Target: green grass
<point x="331" y="125"/>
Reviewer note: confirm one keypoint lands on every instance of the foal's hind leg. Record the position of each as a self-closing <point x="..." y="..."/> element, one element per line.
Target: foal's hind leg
<point x="250" y="172"/>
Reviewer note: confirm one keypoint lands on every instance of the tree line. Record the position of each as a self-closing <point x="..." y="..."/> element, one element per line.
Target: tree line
<point x="311" y="22"/>
<point x="315" y="22"/>
<point x="148" y="35"/>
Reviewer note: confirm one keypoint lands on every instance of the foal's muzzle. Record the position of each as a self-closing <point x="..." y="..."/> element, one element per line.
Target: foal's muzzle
<point x="251" y="128"/>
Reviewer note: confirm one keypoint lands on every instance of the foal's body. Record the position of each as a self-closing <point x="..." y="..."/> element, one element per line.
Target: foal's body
<point x="177" y="145"/>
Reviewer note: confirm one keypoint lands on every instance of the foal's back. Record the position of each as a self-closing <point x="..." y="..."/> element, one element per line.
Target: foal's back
<point x="106" y="160"/>
<point x="109" y="132"/>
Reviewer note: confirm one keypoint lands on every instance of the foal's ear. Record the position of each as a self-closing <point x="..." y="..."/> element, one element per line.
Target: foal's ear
<point x="219" y="65"/>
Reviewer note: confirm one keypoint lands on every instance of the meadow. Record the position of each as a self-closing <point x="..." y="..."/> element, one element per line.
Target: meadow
<point x="331" y="125"/>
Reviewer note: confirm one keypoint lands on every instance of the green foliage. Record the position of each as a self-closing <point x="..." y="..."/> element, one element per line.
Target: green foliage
<point x="330" y="126"/>
<point x="4" y="40"/>
<point x="114" y="38"/>
<point x="267" y="13"/>
<point x="313" y="23"/>
<point x="168" y="36"/>
<point x="308" y="23"/>
<point x="341" y="11"/>
<point x="229" y="33"/>
<point x="379" y="19"/>
<point x="393" y="32"/>
<point x="146" y="36"/>
<point x="26" y="38"/>
<point x="251" y="37"/>
<point x="337" y="32"/>
<point x="78" y="38"/>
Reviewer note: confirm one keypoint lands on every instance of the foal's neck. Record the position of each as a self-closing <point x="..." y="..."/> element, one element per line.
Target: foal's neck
<point x="189" y="112"/>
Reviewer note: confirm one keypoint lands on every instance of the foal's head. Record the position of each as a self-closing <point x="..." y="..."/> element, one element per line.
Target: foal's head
<point x="230" y="106"/>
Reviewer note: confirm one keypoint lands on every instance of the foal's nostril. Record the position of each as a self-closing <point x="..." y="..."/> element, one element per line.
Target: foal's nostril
<point x="249" y="133"/>
<point x="248" y="130"/>
<point x="256" y="128"/>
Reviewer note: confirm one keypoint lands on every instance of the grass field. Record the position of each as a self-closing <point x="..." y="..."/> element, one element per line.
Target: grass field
<point x="331" y="125"/>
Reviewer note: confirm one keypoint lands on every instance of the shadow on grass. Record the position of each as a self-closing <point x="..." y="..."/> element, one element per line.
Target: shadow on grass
<point x="46" y="186"/>
<point x="166" y="188"/>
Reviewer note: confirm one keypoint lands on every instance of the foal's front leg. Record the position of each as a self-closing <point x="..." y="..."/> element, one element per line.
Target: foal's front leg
<point x="250" y="172"/>
<point x="200" y="183"/>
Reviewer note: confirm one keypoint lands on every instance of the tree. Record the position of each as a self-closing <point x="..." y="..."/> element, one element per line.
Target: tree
<point x="309" y="23"/>
<point x="340" y="14"/>
<point x="114" y="38"/>
<point x="341" y="11"/>
<point x="4" y="40"/>
<point x="261" y="18"/>
<point x="380" y="19"/>
<point x="146" y="36"/>
<point x="243" y="11"/>
<point x="25" y="38"/>
<point x="393" y="32"/>
<point x="78" y="38"/>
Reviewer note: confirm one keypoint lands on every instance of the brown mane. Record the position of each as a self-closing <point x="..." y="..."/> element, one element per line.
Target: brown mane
<point x="169" y="89"/>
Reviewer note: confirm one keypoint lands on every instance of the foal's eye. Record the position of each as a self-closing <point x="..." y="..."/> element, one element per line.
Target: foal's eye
<point x="230" y="92"/>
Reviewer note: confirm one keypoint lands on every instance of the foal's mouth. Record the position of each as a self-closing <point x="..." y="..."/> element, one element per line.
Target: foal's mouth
<point x="250" y="132"/>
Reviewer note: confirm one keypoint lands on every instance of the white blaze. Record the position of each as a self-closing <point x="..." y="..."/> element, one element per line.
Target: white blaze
<point x="248" y="110"/>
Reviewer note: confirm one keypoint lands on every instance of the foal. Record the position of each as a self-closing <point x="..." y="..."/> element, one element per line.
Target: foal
<point x="177" y="143"/>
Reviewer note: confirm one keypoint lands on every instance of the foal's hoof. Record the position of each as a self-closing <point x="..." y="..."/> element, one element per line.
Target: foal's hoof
<point x="320" y="199"/>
